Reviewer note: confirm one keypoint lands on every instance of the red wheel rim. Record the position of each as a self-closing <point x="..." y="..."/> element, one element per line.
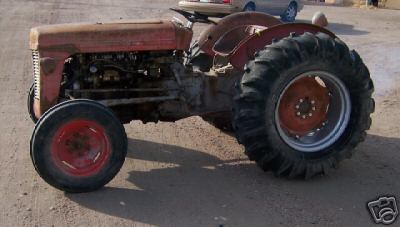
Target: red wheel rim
<point x="303" y="106"/>
<point x="80" y="147"/>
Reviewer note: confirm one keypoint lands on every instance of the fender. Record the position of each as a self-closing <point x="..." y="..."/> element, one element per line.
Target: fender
<point x="210" y="36"/>
<point x="246" y="49"/>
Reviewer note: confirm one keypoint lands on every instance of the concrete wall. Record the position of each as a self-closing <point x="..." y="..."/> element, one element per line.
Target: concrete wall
<point x="338" y="2"/>
<point x="392" y="4"/>
<point x="351" y="2"/>
<point x="342" y="2"/>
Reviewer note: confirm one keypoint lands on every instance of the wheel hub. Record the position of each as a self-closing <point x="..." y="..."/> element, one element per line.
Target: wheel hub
<point x="291" y="11"/>
<point x="80" y="147"/>
<point x="303" y="107"/>
<point x="78" y="144"/>
<point x="313" y="111"/>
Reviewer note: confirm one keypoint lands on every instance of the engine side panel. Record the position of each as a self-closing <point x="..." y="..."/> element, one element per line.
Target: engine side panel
<point x="56" y="43"/>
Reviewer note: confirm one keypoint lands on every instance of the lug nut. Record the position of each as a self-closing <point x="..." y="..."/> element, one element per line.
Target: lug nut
<point x="310" y="114"/>
<point x="301" y="100"/>
<point x="297" y="106"/>
<point x="298" y="113"/>
<point x="313" y="108"/>
<point x="304" y="116"/>
<point x="312" y="102"/>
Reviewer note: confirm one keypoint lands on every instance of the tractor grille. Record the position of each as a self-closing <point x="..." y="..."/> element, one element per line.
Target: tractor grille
<point x="36" y="73"/>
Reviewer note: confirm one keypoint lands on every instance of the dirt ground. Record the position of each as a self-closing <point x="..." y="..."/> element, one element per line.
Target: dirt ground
<point x="188" y="173"/>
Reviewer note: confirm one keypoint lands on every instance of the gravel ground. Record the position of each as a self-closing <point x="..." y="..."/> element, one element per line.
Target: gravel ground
<point x="188" y="173"/>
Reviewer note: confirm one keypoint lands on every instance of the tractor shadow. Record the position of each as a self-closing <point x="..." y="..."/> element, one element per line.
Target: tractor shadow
<point x="340" y="29"/>
<point x="192" y="188"/>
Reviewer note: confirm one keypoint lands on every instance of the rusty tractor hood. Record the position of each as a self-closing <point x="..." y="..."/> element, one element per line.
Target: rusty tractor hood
<point x="114" y="36"/>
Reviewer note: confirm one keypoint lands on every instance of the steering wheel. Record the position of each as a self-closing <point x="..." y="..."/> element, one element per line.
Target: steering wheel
<point x="194" y="17"/>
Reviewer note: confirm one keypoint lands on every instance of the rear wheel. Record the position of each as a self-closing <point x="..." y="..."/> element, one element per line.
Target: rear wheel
<point x="303" y="105"/>
<point x="78" y="146"/>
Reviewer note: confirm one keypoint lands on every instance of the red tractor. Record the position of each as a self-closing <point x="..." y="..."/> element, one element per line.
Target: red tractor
<point x="294" y="94"/>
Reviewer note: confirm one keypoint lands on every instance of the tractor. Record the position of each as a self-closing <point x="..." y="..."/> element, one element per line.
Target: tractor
<point x="294" y="95"/>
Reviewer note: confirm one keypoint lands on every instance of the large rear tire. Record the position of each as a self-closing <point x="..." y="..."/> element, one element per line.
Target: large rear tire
<point x="303" y="105"/>
<point x="78" y="146"/>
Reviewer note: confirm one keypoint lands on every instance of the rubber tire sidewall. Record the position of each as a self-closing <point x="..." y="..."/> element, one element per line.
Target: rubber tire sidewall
<point x="58" y="116"/>
<point x="30" y="102"/>
<point x="262" y="84"/>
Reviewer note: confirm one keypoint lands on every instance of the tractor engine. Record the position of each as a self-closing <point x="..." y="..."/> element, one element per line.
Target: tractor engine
<point x="145" y="81"/>
<point x="124" y="70"/>
<point x="157" y="84"/>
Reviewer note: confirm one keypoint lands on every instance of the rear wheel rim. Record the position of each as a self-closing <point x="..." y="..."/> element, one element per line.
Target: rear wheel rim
<point x="313" y="111"/>
<point x="80" y="148"/>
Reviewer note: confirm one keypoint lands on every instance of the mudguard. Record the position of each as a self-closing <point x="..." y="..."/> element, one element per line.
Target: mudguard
<point x="246" y="49"/>
<point x="210" y="36"/>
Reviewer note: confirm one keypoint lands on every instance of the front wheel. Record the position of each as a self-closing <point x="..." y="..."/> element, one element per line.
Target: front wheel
<point x="78" y="146"/>
<point x="31" y="97"/>
<point x="303" y="105"/>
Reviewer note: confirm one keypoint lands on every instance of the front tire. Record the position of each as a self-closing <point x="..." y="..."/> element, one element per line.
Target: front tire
<point x="31" y="97"/>
<point x="78" y="146"/>
<point x="303" y="105"/>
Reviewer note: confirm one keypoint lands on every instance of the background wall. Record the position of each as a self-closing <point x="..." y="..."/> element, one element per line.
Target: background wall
<point x="391" y="4"/>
